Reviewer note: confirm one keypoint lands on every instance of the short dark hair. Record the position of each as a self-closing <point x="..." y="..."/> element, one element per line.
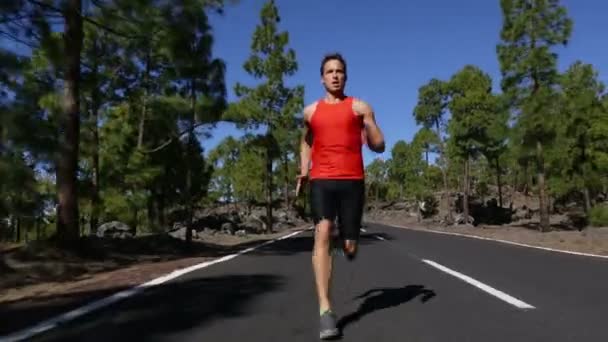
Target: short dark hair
<point x="333" y="56"/>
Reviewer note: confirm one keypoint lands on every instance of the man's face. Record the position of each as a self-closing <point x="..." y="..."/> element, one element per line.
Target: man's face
<point x="334" y="77"/>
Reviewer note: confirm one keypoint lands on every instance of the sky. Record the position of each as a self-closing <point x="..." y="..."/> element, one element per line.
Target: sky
<point x="392" y="48"/>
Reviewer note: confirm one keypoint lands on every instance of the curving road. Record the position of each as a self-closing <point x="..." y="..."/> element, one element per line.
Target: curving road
<point x="406" y="286"/>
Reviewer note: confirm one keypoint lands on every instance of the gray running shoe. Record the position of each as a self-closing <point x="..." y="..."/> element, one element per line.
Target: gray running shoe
<point x="328" y="326"/>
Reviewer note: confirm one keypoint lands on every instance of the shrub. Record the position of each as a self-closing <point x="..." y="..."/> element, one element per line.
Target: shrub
<point x="598" y="216"/>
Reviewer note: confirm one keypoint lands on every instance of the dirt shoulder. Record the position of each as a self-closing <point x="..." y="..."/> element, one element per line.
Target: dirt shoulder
<point x="39" y="282"/>
<point x="591" y="240"/>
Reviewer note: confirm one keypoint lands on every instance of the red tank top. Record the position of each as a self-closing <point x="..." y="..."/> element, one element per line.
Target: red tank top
<point x="336" y="144"/>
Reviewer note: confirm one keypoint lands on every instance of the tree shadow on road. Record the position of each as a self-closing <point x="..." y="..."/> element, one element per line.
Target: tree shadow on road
<point x="41" y="262"/>
<point x="384" y="298"/>
<point x="157" y="312"/>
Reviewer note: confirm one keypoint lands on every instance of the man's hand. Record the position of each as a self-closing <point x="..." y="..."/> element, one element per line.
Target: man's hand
<point x="302" y="178"/>
<point x="364" y="110"/>
<point x="373" y="135"/>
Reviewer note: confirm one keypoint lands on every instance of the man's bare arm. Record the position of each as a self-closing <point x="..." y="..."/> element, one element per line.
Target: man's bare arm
<point x="305" y="151"/>
<point x="306" y="141"/>
<point x="375" y="137"/>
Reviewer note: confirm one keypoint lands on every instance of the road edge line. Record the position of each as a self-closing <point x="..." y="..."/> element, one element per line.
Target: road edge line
<point x="496" y="240"/>
<point x="484" y="287"/>
<point x="53" y="322"/>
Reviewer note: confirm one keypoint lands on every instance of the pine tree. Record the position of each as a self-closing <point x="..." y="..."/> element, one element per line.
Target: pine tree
<point x="473" y="108"/>
<point x="271" y="104"/>
<point x="582" y="111"/>
<point x="428" y="141"/>
<point x="198" y="79"/>
<point x="430" y="111"/>
<point x="531" y="29"/>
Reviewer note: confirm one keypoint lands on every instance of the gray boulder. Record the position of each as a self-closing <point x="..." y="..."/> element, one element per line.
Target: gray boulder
<point x="114" y="229"/>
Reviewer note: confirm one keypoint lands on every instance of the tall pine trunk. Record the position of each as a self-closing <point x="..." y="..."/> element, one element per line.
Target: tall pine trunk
<point x="38" y="235"/>
<point x="526" y="180"/>
<point x="161" y="200"/>
<point x="514" y="187"/>
<point x="95" y="101"/>
<point x="67" y="163"/>
<point x="586" y="194"/>
<point x="542" y="195"/>
<point x="268" y="187"/>
<point x="377" y="191"/>
<point x="95" y="200"/>
<point x="144" y="106"/>
<point x="587" y="200"/>
<point x="189" y="204"/>
<point x="151" y="208"/>
<point x="18" y="229"/>
<point x="188" y="191"/>
<point x="498" y="181"/>
<point x="3" y="138"/>
<point x="444" y="172"/>
<point x="540" y="164"/>
<point x="287" y="180"/>
<point x="142" y="123"/>
<point x="465" y="200"/>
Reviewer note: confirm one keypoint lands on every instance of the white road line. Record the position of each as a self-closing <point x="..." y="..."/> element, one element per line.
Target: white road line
<point x="502" y="241"/>
<point x="53" y="322"/>
<point x="376" y="236"/>
<point x="497" y="293"/>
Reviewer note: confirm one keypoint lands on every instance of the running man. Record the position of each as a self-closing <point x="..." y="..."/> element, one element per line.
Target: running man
<point x="336" y="128"/>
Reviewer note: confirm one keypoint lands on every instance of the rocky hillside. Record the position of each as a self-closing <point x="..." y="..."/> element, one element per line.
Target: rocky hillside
<point x="229" y="219"/>
<point x="237" y="220"/>
<point x="517" y="209"/>
<point x="240" y="221"/>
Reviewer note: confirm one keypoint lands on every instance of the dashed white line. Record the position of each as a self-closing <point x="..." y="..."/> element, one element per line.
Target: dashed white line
<point x="52" y="323"/>
<point x="497" y="293"/>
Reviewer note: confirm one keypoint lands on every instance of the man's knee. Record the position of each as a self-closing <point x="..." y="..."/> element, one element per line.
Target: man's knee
<point x="323" y="230"/>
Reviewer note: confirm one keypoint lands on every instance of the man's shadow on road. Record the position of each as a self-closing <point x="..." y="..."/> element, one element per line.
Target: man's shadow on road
<point x="384" y="298"/>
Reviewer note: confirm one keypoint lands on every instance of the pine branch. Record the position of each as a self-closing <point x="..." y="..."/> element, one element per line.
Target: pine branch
<point x="176" y="136"/>
<point x="10" y="19"/>
<point x="114" y="12"/>
<point x="17" y="39"/>
<point x="85" y="18"/>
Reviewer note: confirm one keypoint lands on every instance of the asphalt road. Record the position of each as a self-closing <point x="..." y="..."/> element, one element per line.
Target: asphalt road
<point x="405" y="286"/>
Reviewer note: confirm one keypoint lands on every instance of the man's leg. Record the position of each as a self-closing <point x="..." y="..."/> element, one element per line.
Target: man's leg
<point x="350" y="210"/>
<point x="323" y="210"/>
<point x="322" y="263"/>
<point x="322" y="204"/>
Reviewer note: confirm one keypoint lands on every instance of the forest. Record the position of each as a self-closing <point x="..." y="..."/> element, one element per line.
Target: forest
<point x="104" y="106"/>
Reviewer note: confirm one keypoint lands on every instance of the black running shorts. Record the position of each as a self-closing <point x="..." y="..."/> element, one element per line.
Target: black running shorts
<point x="341" y="198"/>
